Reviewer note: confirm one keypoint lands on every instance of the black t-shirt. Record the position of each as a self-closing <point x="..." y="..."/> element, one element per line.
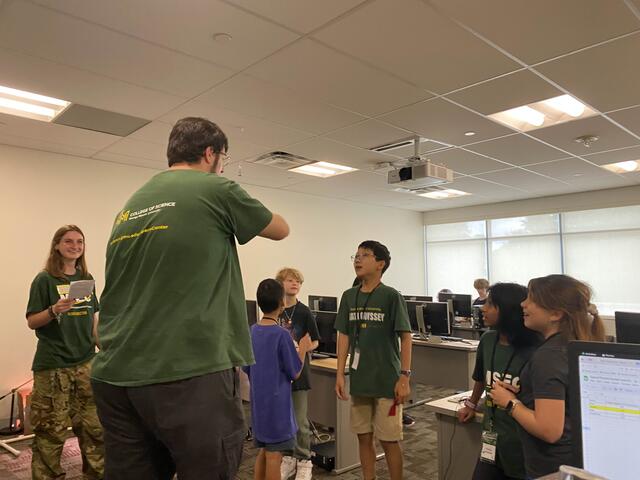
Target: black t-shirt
<point x="480" y="301"/>
<point x="546" y="376"/>
<point x="299" y="321"/>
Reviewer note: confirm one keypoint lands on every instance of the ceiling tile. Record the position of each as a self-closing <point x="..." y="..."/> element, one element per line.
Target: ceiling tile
<point x="369" y="134"/>
<point x="429" y="50"/>
<point x="155" y="132"/>
<point x="571" y="170"/>
<point x="300" y="15"/>
<point x="327" y="75"/>
<point x="629" y="118"/>
<point x="563" y="136"/>
<point x="426" y="146"/>
<point x="239" y="127"/>
<point x="535" y="31"/>
<point x="54" y="36"/>
<point x="323" y="149"/>
<point x="262" y="175"/>
<point x="612" y="181"/>
<point x="155" y="164"/>
<point x="186" y="26"/>
<point x="614" y="156"/>
<point x="24" y="72"/>
<point x="346" y="185"/>
<point x="45" y="145"/>
<point x="136" y="148"/>
<point x="519" y="178"/>
<point x="606" y="77"/>
<point x="517" y="150"/>
<point x="484" y="188"/>
<point x="466" y="162"/>
<point x="252" y="96"/>
<point x="384" y="198"/>
<point x="509" y="91"/>
<point x="444" y="122"/>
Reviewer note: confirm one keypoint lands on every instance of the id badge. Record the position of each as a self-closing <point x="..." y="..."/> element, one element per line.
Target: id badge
<point x="356" y="359"/>
<point x="489" y="442"/>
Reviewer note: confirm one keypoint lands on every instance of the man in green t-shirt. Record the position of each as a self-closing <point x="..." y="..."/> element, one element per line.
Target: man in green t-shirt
<point x="373" y="325"/>
<point x="173" y="322"/>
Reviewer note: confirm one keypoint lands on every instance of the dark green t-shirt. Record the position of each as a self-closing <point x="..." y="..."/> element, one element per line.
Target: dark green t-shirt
<point x="375" y="331"/>
<point x="509" y="455"/>
<point x="173" y="305"/>
<point x="68" y="341"/>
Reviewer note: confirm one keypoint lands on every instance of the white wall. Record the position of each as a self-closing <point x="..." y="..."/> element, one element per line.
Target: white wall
<point x="612" y="197"/>
<point x="41" y="191"/>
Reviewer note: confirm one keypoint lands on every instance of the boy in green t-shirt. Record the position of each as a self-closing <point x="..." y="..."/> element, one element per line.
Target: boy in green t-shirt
<point x="371" y="319"/>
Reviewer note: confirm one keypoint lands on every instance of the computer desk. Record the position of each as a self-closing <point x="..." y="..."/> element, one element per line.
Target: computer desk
<point x="467" y="332"/>
<point x="458" y="443"/>
<point x="446" y="364"/>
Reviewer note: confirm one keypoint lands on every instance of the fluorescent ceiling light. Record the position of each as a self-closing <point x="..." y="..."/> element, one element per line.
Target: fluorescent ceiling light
<point x="544" y="113"/>
<point x="527" y="114"/>
<point x="30" y="105"/>
<point x="323" y="169"/>
<point x="623" y="167"/>
<point x="566" y="104"/>
<point x="445" y="193"/>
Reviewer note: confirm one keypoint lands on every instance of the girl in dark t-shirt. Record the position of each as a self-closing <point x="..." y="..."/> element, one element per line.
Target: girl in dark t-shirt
<point x="557" y="306"/>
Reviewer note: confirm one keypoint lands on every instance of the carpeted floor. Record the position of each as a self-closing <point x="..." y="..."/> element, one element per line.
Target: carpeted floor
<point x="420" y="451"/>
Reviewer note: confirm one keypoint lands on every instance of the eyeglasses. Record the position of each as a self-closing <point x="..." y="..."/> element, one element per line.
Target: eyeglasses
<point x="359" y="256"/>
<point x="226" y="158"/>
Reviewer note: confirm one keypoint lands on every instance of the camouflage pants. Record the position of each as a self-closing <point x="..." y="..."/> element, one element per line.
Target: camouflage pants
<point x="63" y="396"/>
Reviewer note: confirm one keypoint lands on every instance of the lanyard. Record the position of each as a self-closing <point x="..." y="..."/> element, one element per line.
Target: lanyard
<point x="506" y="370"/>
<point x="289" y="317"/>
<point x="364" y="307"/>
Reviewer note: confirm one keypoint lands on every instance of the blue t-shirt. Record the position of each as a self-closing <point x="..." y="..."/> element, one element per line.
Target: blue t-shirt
<point x="277" y="364"/>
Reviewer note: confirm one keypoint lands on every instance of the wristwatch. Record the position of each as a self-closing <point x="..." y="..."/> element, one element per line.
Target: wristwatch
<point x="511" y="406"/>
<point x="406" y="373"/>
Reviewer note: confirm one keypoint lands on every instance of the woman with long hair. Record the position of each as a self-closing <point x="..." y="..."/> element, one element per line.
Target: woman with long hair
<point x="559" y="308"/>
<point x="62" y="392"/>
<point x="502" y="353"/>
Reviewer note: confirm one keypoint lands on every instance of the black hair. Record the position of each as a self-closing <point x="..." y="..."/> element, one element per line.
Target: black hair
<point x="379" y="251"/>
<point x="191" y="136"/>
<point x="507" y="297"/>
<point x="270" y="295"/>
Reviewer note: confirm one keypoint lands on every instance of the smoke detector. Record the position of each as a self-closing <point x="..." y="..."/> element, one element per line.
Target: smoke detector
<point x="587" y="140"/>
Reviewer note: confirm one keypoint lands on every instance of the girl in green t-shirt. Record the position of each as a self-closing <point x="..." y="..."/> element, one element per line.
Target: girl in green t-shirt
<point x="502" y="353"/>
<point x="65" y="328"/>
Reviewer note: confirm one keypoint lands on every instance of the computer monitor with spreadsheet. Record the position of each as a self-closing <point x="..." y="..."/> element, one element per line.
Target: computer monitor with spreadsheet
<point x="252" y="311"/>
<point x="328" y="334"/>
<point x="323" y="304"/>
<point x="605" y="396"/>
<point x="461" y="303"/>
<point x="627" y="327"/>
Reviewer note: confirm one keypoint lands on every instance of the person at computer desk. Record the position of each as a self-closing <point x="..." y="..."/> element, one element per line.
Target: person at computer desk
<point x="558" y="307"/>
<point x="482" y="287"/>
<point x="444" y="290"/>
<point x="502" y="353"/>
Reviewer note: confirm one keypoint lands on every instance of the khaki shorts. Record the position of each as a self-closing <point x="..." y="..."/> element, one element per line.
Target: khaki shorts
<point x="370" y="414"/>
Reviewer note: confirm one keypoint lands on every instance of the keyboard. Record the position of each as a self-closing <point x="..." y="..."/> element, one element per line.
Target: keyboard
<point x="451" y="339"/>
<point x="318" y="356"/>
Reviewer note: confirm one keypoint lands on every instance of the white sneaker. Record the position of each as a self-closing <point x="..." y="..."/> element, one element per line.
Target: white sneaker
<point x="304" y="470"/>
<point x="287" y="467"/>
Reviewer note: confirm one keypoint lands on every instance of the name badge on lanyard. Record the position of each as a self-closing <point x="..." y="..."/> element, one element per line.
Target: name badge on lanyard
<point x="356" y="359"/>
<point x="489" y="443"/>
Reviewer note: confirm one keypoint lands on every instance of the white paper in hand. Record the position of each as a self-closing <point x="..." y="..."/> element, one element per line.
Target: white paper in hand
<point x="81" y="289"/>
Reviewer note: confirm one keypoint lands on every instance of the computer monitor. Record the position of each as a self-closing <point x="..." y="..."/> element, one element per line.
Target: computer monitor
<point x="328" y="334"/>
<point x="417" y="298"/>
<point x="461" y="303"/>
<point x="604" y="381"/>
<point x="323" y="304"/>
<point x="252" y="311"/>
<point x="627" y="327"/>
<point x="436" y="318"/>
<point x="413" y="309"/>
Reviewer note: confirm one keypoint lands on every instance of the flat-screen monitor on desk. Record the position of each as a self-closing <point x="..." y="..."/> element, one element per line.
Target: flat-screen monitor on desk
<point x="323" y="304"/>
<point x="252" y="311"/>
<point x="414" y="311"/>
<point x="417" y="298"/>
<point x="436" y="318"/>
<point x="328" y="334"/>
<point x="461" y="303"/>
<point x="605" y="386"/>
<point x="628" y="327"/>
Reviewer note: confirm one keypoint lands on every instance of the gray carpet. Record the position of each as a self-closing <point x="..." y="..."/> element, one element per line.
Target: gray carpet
<point x="420" y="451"/>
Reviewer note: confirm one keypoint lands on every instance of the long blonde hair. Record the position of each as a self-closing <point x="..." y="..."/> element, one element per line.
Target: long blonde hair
<point x="562" y="293"/>
<point x="55" y="263"/>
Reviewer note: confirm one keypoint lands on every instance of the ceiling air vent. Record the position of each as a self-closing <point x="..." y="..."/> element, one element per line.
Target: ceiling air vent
<point x="282" y="160"/>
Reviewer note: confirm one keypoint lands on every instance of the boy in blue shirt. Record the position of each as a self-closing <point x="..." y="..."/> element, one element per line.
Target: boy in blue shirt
<point x="278" y="363"/>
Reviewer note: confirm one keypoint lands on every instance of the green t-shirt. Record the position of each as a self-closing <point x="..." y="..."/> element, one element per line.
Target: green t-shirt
<point x="68" y="341"/>
<point x="173" y="305"/>
<point x="374" y="330"/>
<point x="509" y="455"/>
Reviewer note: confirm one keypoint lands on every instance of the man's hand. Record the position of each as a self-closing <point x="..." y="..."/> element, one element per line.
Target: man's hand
<point x="402" y="389"/>
<point x="340" y="388"/>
